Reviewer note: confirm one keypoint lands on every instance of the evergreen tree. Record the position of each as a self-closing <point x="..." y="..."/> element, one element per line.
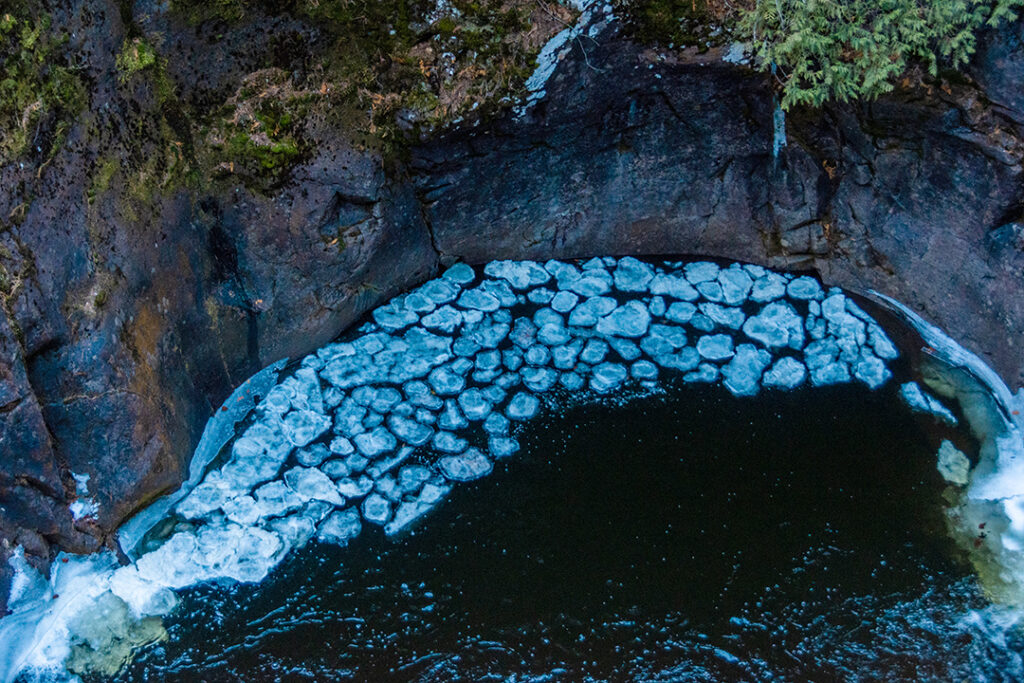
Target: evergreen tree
<point x="850" y="49"/>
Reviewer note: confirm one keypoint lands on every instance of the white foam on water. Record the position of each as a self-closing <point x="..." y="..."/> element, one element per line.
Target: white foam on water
<point x="38" y="634"/>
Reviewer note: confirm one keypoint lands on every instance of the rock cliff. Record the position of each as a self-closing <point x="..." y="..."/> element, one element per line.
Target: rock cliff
<point x="127" y="319"/>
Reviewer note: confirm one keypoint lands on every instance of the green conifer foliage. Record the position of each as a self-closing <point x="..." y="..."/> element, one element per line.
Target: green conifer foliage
<point x="851" y="49"/>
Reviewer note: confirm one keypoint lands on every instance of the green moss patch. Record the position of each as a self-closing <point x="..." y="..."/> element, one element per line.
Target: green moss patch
<point x="135" y="55"/>
<point x="387" y="71"/>
<point x="102" y="176"/>
<point x="40" y="91"/>
<point x="261" y="132"/>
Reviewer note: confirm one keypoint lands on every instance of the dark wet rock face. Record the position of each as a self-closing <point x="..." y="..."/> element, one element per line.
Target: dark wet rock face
<point x="909" y="195"/>
<point x="124" y="324"/>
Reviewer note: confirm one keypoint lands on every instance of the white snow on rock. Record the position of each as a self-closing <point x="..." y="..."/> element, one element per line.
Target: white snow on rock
<point x="84" y="508"/>
<point x="550" y="55"/>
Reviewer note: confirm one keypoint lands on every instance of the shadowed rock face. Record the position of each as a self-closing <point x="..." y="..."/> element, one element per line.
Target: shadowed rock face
<point x="120" y="333"/>
<point x="915" y="195"/>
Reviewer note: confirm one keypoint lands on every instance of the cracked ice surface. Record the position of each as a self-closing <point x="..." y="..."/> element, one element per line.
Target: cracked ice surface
<point x="376" y="429"/>
<point x="464" y="360"/>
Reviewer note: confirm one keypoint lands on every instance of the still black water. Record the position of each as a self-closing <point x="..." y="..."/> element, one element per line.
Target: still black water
<point x="688" y="536"/>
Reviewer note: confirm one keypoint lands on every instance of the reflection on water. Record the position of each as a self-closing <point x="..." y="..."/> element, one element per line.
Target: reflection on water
<point x="687" y="536"/>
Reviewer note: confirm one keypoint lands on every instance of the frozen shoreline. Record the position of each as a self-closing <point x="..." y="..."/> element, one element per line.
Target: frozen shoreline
<point x="378" y="429"/>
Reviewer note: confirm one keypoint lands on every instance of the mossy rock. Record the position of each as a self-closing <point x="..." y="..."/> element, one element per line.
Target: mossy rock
<point x="41" y="91"/>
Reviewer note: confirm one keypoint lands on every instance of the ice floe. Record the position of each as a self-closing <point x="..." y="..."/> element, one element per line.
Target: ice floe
<point x="743" y="372"/>
<point x="921" y="401"/>
<point x="715" y="347"/>
<point x="786" y="373"/>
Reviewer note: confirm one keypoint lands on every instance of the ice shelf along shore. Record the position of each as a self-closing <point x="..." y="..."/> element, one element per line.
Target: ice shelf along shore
<point x="376" y="429"/>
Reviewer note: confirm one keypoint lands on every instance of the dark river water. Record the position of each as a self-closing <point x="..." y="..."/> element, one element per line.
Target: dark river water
<point x="687" y="536"/>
